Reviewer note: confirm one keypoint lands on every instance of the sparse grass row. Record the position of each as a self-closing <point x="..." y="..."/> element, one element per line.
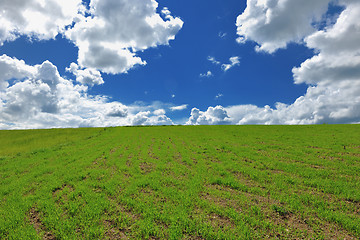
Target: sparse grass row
<point x="204" y="182"/>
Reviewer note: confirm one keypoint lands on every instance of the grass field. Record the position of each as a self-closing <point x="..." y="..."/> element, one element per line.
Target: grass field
<point x="181" y="182"/>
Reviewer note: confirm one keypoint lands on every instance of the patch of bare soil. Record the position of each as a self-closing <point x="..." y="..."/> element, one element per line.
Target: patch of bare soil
<point x="146" y="167"/>
<point x="152" y="155"/>
<point x="113" y="232"/>
<point x="189" y="237"/>
<point x="35" y="220"/>
<point x="292" y="222"/>
<point x="218" y="221"/>
<point x="59" y="189"/>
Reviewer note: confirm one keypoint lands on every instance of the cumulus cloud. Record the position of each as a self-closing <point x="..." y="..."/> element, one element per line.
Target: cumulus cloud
<point x="115" y="30"/>
<point x="213" y="115"/>
<point x="108" y="34"/>
<point x="12" y="69"/>
<point x="36" y="19"/>
<point x="206" y="75"/>
<point x="88" y="76"/>
<point x="319" y="105"/>
<point x="160" y="111"/>
<point x="338" y="50"/>
<point x="234" y="61"/>
<point x="38" y="97"/>
<point x="179" y="108"/>
<point x="117" y="110"/>
<point x="144" y="118"/>
<point x="333" y="74"/>
<point x="275" y="23"/>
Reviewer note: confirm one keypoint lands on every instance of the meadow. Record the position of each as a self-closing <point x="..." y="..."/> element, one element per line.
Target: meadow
<point x="181" y="182"/>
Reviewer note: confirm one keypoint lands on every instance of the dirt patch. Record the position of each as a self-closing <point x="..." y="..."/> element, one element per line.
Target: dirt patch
<point x="152" y="155"/>
<point x="146" y="167"/>
<point x="317" y="166"/>
<point x="59" y="197"/>
<point x="314" y="147"/>
<point x="218" y="221"/>
<point x="100" y="160"/>
<point x="309" y="229"/>
<point x="112" y="228"/>
<point x="189" y="237"/>
<point x="112" y="151"/>
<point x="35" y="220"/>
<point x="129" y="162"/>
<point x="113" y="232"/>
<point x="277" y="214"/>
<point x="218" y="200"/>
<point x="246" y="180"/>
<point x="56" y="191"/>
<point x="120" y="208"/>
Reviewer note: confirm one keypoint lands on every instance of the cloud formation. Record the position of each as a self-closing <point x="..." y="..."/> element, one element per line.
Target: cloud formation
<point x="234" y="61"/>
<point x="115" y="30"/>
<point x="88" y="76"/>
<point x="213" y="115"/>
<point x="275" y="23"/>
<point x="38" y="97"/>
<point x="37" y="19"/>
<point x="213" y="60"/>
<point x="206" y="75"/>
<point x="333" y="74"/>
<point x="108" y="34"/>
<point x="179" y="108"/>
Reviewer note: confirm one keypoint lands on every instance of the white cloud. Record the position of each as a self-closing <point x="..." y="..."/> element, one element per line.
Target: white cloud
<point x="88" y="76"/>
<point x="234" y="61"/>
<point x="338" y="50"/>
<point x="179" y="108"/>
<point x="166" y="12"/>
<point x="275" y="23"/>
<point x="207" y="74"/>
<point x="144" y="118"/>
<point x="35" y="18"/>
<point x="213" y="60"/>
<point x="38" y="97"/>
<point x="108" y="35"/>
<point x="117" y="110"/>
<point x="109" y="38"/>
<point x="213" y="115"/>
<point x="12" y="69"/>
<point x="160" y="111"/>
<point x="333" y="73"/>
<point x="220" y="95"/>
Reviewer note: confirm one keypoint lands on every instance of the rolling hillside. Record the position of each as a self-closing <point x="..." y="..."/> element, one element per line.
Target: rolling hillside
<point x="181" y="182"/>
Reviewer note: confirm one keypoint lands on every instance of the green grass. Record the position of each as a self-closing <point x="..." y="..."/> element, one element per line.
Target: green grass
<point x="181" y="182"/>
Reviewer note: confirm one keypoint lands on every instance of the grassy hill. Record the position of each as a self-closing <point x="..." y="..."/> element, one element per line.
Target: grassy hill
<point x="181" y="182"/>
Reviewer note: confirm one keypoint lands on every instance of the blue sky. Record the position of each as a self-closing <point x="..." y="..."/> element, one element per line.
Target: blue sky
<point x="284" y="69"/>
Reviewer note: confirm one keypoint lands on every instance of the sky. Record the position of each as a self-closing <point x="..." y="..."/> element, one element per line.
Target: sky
<point x="74" y="63"/>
